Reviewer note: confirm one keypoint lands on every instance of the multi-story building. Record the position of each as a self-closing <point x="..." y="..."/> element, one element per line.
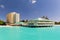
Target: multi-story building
<point x="13" y="17"/>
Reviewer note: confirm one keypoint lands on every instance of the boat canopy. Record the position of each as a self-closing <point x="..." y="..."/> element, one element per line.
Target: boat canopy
<point x="42" y="20"/>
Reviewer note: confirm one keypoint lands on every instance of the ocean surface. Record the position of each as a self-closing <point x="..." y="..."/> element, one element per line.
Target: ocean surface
<point x="25" y="33"/>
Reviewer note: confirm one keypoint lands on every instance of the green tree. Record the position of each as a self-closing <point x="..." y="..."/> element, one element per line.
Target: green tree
<point x="2" y="22"/>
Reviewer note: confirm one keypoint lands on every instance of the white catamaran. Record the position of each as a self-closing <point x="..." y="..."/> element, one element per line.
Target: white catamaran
<point x="41" y="22"/>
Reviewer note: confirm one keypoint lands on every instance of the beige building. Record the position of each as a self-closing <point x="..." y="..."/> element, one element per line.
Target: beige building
<point x="13" y="17"/>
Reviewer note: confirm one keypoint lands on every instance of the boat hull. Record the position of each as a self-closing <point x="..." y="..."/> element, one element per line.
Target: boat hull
<point x="35" y="26"/>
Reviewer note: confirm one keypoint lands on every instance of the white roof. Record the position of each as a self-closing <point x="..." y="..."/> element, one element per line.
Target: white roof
<point x="41" y="19"/>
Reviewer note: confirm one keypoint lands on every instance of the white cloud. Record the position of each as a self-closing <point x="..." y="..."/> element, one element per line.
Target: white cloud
<point x="34" y="1"/>
<point x="2" y="6"/>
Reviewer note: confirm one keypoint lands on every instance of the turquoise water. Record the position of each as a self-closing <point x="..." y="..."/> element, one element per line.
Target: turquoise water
<point x="25" y="33"/>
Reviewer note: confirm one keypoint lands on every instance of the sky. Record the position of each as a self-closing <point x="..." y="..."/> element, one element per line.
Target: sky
<point x="31" y="9"/>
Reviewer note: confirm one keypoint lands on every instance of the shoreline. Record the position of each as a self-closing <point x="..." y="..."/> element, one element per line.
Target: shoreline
<point x="56" y="25"/>
<point x="16" y="26"/>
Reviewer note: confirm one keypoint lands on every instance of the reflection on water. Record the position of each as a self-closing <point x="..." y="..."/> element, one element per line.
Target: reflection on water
<point x="25" y="33"/>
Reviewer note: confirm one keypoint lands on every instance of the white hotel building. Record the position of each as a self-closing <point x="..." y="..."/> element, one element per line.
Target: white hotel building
<point x="13" y="17"/>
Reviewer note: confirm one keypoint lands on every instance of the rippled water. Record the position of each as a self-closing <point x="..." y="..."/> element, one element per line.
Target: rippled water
<point x="25" y="33"/>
